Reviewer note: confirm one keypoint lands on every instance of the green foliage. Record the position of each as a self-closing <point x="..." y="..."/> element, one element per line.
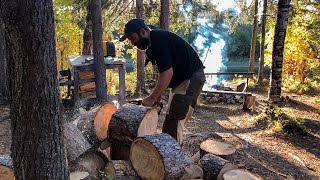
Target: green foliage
<point x="68" y="34"/>
<point x="239" y="42"/>
<point x="131" y="82"/>
<point x="301" y="60"/>
<point x="280" y="119"/>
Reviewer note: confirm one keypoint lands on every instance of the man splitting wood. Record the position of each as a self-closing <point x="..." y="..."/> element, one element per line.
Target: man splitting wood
<point x="179" y="67"/>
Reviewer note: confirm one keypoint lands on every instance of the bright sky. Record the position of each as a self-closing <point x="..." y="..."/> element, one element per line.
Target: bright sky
<point x="225" y="4"/>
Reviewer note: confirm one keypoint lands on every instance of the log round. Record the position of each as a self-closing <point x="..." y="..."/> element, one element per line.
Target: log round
<point x="76" y="143"/>
<point x="6" y="168"/>
<point x="240" y="174"/>
<point x="79" y="175"/>
<point x="129" y="122"/>
<point x="102" y="120"/>
<point x="157" y="156"/>
<point x="218" y="148"/>
<point x="212" y="165"/>
<point x="226" y="167"/>
<point x="132" y="121"/>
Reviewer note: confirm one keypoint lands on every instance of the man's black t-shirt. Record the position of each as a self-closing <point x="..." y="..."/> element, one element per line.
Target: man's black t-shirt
<point x="169" y="50"/>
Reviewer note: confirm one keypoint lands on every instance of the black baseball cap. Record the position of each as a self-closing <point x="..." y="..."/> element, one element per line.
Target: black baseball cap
<point x="132" y="26"/>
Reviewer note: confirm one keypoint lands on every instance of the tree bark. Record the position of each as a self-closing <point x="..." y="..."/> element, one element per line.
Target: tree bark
<point x="212" y="165"/>
<point x="254" y="38"/>
<point x="100" y="71"/>
<point x="164" y="15"/>
<point x="4" y="74"/>
<point x="35" y="108"/>
<point x="274" y="93"/>
<point x="87" y="34"/>
<point x="128" y="123"/>
<point x="140" y="54"/>
<point x="75" y="142"/>
<point x="158" y="156"/>
<point x="262" y="47"/>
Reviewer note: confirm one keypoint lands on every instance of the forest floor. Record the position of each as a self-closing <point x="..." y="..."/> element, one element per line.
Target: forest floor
<point x="272" y="155"/>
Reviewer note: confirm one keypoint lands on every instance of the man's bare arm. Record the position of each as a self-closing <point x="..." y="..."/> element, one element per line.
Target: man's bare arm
<point x="161" y="84"/>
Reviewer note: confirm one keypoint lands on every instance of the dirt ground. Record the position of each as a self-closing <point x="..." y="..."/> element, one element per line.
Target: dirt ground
<point x="270" y="155"/>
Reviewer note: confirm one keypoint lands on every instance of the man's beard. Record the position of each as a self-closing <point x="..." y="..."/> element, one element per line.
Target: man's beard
<point x="143" y="43"/>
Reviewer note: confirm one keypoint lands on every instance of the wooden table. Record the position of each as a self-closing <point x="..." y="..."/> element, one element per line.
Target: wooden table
<point x="84" y="63"/>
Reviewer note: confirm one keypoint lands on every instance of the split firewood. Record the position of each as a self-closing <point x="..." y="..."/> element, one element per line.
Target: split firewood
<point x="75" y="143"/>
<point x="157" y="156"/>
<point x="212" y="165"/>
<point x="92" y="162"/>
<point x="6" y="167"/>
<point x="119" y="169"/>
<point x="240" y="174"/>
<point x="218" y="148"/>
<point x="128" y="123"/>
<point x="88" y="126"/>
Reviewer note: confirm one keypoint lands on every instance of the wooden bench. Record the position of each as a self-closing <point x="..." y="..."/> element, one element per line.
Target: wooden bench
<point x="249" y="98"/>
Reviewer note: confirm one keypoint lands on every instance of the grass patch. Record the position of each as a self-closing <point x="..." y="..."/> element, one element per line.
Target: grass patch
<point x="281" y="120"/>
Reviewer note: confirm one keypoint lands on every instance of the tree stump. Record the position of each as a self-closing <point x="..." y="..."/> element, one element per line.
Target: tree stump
<point x="75" y="143"/>
<point x="212" y="165"/>
<point x="157" y="156"/>
<point x="6" y="167"/>
<point x="218" y="148"/>
<point x="128" y="123"/>
<point x="120" y="169"/>
<point x="240" y="174"/>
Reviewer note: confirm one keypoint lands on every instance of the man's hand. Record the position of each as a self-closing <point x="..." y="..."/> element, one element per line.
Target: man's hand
<point x="148" y="101"/>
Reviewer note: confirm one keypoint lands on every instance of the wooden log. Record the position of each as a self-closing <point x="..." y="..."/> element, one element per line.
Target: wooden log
<point x="6" y="168"/>
<point x="157" y="156"/>
<point x="226" y="167"/>
<point x="102" y="120"/>
<point x="79" y="175"/>
<point x="192" y="172"/>
<point x="119" y="169"/>
<point x="128" y="123"/>
<point x="212" y="165"/>
<point x="218" y="148"/>
<point x="92" y="162"/>
<point x="94" y="122"/>
<point x="75" y="143"/>
<point x="240" y="174"/>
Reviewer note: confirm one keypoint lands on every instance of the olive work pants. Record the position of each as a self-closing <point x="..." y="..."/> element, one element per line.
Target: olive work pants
<point x="181" y="103"/>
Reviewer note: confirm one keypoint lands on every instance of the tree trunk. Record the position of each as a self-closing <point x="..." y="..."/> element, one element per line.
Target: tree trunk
<point x="140" y="55"/>
<point x="37" y="142"/>
<point x="164" y="15"/>
<point x="253" y="39"/>
<point x="277" y="52"/>
<point x="157" y="156"/>
<point x="87" y="34"/>
<point x="4" y="74"/>
<point x="262" y="47"/>
<point x="128" y="123"/>
<point x="100" y="71"/>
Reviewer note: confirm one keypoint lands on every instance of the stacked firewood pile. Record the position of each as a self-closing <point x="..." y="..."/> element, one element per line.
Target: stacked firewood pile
<point x="111" y="143"/>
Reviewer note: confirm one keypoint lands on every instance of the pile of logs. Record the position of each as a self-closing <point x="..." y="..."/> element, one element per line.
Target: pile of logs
<point x="111" y="143"/>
